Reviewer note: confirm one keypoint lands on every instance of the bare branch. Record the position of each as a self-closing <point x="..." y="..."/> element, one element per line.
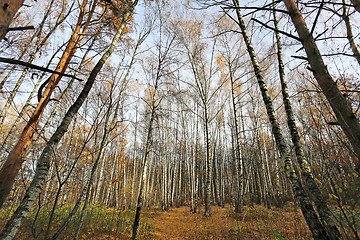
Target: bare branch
<point x="317" y="17"/>
<point x="279" y="31"/>
<point x="29" y="65"/>
<point x="21" y="28"/>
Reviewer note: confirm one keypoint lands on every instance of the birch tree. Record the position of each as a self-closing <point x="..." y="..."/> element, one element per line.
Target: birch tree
<point x="341" y="107"/>
<point x="158" y="69"/>
<point x="43" y="165"/>
<point x="308" y="211"/>
<point x="320" y="204"/>
<point x="15" y="158"/>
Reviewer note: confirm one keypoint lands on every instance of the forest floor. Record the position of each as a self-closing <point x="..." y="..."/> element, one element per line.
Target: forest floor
<point x="101" y="222"/>
<point x="254" y="223"/>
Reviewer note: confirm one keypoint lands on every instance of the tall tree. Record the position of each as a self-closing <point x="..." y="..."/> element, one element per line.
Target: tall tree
<point x="43" y="165"/>
<point x="339" y="104"/>
<point x="308" y="211"/>
<point x="205" y="89"/>
<point x="320" y="204"/>
<point x="158" y="69"/>
<point x="15" y="158"/>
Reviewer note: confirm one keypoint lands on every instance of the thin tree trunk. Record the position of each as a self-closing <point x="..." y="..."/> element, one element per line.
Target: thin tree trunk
<point x="67" y="89"/>
<point x="38" y="46"/>
<point x="23" y="110"/>
<point x="237" y="155"/>
<point x="208" y="166"/>
<point x="153" y="104"/>
<point x="124" y="180"/>
<point x="134" y="160"/>
<point x="350" y="34"/>
<point x="143" y="175"/>
<point x="87" y="196"/>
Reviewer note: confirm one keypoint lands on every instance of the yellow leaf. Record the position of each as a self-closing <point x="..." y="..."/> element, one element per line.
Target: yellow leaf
<point x="340" y="190"/>
<point x="326" y="160"/>
<point x="355" y="175"/>
<point x="318" y="181"/>
<point x="332" y="196"/>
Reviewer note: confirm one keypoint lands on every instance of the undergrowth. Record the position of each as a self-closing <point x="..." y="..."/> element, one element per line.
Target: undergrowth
<point x="100" y="222"/>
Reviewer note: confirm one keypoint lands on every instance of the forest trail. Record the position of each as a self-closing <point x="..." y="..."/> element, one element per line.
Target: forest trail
<point x="180" y="223"/>
<point x="253" y="223"/>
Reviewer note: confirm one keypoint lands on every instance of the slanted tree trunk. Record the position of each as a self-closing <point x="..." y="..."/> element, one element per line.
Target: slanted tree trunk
<point x="85" y="192"/>
<point x="15" y="159"/>
<point x="23" y="111"/>
<point x="66" y="91"/>
<point x="153" y="104"/>
<point x="92" y="175"/>
<point x="307" y="209"/>
<point x="341" y="107"/>
<point x="39" y="43"/>
<point x="38" y="46"/>
<point x="320" y="204"/>
<point x="43" y="165"/>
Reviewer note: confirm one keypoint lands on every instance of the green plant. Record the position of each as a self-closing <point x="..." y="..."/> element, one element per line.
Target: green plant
<point x="276" y="235"/>
<point x="238" y="229"/>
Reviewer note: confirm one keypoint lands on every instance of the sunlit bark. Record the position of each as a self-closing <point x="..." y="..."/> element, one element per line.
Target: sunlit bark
<point x="43" y="165"/>
<point x="15" y="158"/>
<point x="8" y="10"/>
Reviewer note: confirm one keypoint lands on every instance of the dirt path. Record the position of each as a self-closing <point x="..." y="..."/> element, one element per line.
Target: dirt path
<point x="180" y="223"/>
